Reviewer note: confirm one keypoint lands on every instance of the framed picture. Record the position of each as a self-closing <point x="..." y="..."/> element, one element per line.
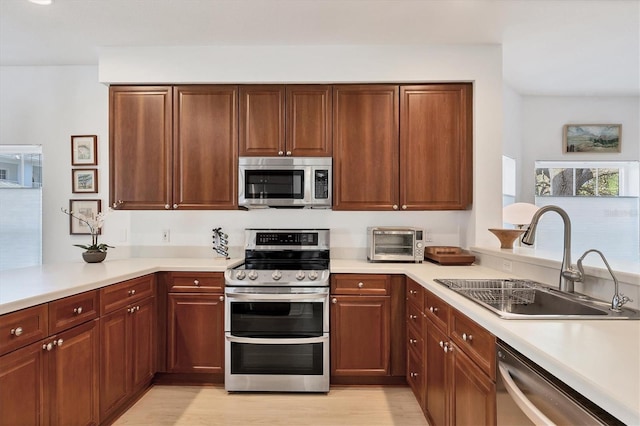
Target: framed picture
<point x="84" y="180"/>
<point x="84" y="150"/>
<point x="86" y="208"/>
<point x="591" y="138"/>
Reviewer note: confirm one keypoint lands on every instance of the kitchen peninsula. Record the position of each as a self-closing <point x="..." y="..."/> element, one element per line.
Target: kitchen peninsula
<point x="573" y="351"/>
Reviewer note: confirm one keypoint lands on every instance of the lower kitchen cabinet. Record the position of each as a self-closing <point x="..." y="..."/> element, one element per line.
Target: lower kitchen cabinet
<point x="367" y="329"/>
<point x="128" y="348"/>
<point x="54" y="381"/>
<point x="195" y="333"/>
<point x="195" y="322"/>
<point x="459" y="367"/>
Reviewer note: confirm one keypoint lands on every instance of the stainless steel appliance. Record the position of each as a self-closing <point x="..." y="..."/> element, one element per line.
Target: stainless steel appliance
<point x="529" y="395"/>
<point x="294" y="182"/>
<point x="395" y="244"/>
<point x="277" y="313"/>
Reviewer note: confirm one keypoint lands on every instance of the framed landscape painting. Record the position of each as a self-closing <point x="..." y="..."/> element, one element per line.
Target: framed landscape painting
<point x="591" y="138"/>
<point x="84" y="150"/>
<point x="84" y="180"/>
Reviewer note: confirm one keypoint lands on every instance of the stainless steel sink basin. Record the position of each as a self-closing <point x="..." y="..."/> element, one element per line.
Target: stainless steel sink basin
<point x="524" y="299"/>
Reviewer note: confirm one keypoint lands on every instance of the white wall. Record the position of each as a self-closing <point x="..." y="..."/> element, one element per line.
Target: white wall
<point x="512" y="133"/>
<point x="543" y="118"/>
<point x="45" y="105"/>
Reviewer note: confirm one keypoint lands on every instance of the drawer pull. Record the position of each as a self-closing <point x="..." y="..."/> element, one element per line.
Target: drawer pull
<point x="413" y="341"/>
<point x="360" y="284"/>
<point x="413" y="292"/>
<point x="77" y="310"/>
<point x="47" y="347"/>
<point x="221" y="298"/>
<point x="412" y="317"/>
<point x="132" y="292"/>
<point x="334" y="300"/>
<point x="58" y="342"/>
<point x="433" y="310"/>
<point x="467" y="337"/>
<point x="441" y="344"/>
<point x="196" y="283"/>
<point x="16" y="331"/>
<point x="413" y="375"/>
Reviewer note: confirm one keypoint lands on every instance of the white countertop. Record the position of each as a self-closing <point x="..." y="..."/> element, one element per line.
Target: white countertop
<point x="598" y="358"/>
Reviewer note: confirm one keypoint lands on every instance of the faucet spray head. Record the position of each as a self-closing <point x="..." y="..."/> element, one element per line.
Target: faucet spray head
<point x="529" y="236"/>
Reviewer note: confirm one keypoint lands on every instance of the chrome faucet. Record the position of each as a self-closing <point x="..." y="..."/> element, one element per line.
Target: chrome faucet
<point x="567" y="274"/>
<point x="618" y="298"/>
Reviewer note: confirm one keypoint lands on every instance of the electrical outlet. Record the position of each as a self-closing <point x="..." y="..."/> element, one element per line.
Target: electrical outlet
<point x="506" y="265"/>
<point x="428" y="237"/>
<point x="165" y="235"/>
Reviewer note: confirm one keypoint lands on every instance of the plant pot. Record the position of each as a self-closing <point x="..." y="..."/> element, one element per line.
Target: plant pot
<point x="94" y="256"/>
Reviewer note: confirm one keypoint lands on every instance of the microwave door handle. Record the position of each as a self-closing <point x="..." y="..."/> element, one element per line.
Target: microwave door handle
<point x="261" y="341"/>
<point x="527" y="407"/>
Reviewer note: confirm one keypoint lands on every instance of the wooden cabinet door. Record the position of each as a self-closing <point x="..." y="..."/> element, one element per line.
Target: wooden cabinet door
<point x="114" y="364"/>
<point x="73" y="376"/>
<point x="195" y="333"/>
<point x="436" y="147"/>
<point x="262" y="120"/>
<point x="473" y="392"/>
<point x="308" y="120"/>
<point x="143" y="350"/>
<point x="23" y="394"/>
<point x="140" y="147"/>
<point x="360" y="338"/>
<point x="365" y="144"/>
<point x="436" y="393"/>
<point x="205" y="147"/>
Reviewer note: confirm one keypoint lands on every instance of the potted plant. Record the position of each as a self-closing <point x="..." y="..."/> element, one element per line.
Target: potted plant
<point x="94" y="252"/>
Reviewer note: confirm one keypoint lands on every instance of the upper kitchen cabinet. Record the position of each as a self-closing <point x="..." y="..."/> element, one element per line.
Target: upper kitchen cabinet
<point x="205" y="147"/>
<point x="173" y="147"/>
<point x="140" y="129"/>
<point x="292" y="120"/>
<point x="436" y="147"/>
<point x="366" y="149"/>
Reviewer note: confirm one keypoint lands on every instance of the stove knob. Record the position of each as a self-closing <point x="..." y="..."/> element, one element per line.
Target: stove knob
<point x="253" y="275"/>
<point x="240" y="275"/>
<point x="313" y="275"/>
<point x="300" y="275"/>
<point x="276" y="275"/>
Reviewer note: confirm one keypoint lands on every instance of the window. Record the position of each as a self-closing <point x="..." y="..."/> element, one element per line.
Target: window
<point x="601" y="199"/>
<point x="21" y="206"/>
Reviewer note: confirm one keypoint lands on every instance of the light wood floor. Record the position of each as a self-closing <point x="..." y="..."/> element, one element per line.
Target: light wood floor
<point x="212" y="405"/>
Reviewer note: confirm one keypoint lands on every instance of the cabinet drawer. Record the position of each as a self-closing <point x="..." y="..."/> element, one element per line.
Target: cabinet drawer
<point x="414" y="316"/>
<point x="415" y="376"/>
<point x="415" y="294"/>
<point x="196" y="282"/>
<point x="73" y="310"/>
<point x="415" y="341"/>
<point x="475" y="341"/>
<point x="437" y="310"/>
<point x="22" y="327"/>
<point x="361" y="284"/>
<point x="117" y="296"/>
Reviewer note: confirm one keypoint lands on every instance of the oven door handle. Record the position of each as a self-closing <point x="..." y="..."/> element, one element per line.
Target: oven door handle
<point x="521" y="400"/>
<point x="260" y="341"/>
<point x="253" y="297"/>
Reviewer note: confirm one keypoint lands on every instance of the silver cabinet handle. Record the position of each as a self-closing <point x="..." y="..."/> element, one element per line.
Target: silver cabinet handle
<point x="167" y="206"/>
<point x="280" y="152"/>
<point x="288" y="152"/>
<point x="77" y="310"/>
<point x="395" y="207"/>
<point x="334" y="300"/>
<point x="413" y="341"/>
<point x="467" y="337"/>
<point x="58" y="342"/>
<point x="16" y="331"/>
<point x="441" y="344"/>
<point x="175" y="206"/>
<point x="413" y="292"/>
<point x="411" y="316"/>
<point x="448" y="348"/>
<point x="360" y="284"/>
<point x="433" y="310"/>
<point x="132" y="292"/>
<point x="47" y="347"/>
<point x="413" y="375"/>
<point x="404" y="207"/>
<point x="196" y="283"/>
<point x="221" y="298"/>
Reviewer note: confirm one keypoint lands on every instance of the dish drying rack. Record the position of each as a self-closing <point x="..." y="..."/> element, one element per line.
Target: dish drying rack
<point x="495" y="292"/>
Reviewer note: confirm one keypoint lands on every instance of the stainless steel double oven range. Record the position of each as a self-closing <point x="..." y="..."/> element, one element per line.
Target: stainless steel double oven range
<point x="277" y="313"/>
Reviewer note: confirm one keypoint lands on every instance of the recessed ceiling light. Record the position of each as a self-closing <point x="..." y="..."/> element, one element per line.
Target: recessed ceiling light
<point x="42" y="2"/>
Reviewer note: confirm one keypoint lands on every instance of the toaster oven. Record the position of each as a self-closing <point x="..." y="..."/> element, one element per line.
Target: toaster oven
<point x="395" y="244"/>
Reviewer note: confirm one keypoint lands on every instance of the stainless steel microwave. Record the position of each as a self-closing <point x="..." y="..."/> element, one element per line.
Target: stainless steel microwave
<point x="395" y="244"/>
<point x="295" y="182"/>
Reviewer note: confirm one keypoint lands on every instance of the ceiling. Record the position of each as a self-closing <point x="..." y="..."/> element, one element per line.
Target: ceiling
<point x="550" y="47"/>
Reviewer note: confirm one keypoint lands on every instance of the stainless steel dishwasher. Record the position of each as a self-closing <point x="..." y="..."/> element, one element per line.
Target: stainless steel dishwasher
<point x="529" y="395"/>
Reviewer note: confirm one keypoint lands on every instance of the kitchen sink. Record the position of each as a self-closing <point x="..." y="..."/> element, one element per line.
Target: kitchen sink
<point x="525" y="299"/>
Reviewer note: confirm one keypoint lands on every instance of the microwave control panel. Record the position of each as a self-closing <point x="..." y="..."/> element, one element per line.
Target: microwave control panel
<point x="321" y="179"/>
